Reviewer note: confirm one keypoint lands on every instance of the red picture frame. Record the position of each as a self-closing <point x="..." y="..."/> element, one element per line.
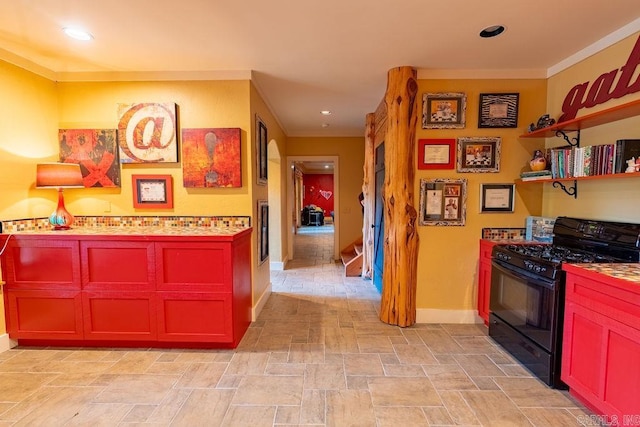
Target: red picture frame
<point x="152" y="191"/>
<point x="436" y="153"/>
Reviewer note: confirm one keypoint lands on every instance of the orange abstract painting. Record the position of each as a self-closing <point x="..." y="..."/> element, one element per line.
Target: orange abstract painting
<point x="211" y="157"/>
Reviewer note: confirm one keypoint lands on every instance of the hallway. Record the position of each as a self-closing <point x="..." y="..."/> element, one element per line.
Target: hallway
<point x="316" y="356"/>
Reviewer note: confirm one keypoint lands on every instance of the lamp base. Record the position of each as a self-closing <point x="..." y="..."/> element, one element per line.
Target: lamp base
<point x="61" y="219"/>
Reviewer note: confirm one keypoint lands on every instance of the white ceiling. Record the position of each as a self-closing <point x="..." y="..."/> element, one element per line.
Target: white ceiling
<point x="305" y="56"/>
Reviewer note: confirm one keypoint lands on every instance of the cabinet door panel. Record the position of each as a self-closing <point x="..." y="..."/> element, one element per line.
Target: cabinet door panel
<point x="582" y="350"/>
<point x="195" y="317"/>
<point x="204" y="267"/>
<point x="109" y="265"/>
<point x="44" y="314"/>
<point x="42" y="264"/>
<point x="119" y="315"/>
<point x="623" y="369"/>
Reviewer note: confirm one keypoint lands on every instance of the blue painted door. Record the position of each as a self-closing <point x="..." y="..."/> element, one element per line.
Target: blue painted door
<point x="378" y="235"/>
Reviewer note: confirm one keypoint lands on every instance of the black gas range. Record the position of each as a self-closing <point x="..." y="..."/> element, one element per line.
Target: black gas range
<point x="527" y="287"/>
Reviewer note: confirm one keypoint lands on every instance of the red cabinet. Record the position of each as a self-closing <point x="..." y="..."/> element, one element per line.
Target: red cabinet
<point x="111" y="290"/>
<point x="484" y="278"/>
<point x="601" y="343"/>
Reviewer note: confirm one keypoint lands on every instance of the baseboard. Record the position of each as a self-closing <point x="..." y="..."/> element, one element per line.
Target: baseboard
<point x="431" y="315"/>
<point x="278" y="266"/>
<point x="255" y="311"/>
<point x="6" y="343"/>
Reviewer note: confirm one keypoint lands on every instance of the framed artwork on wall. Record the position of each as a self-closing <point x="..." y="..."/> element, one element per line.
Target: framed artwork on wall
<point x="436" y="153"/>
<point x="444" y="110"/>
<point x="443" y="201"/>
<point x="261" y="151"/>
<point x="211" y="158"/>
<point x="497" y="197"/>
<point x="478" y="154"/>
<point x="147" y="133"/>
<point x="152" y="191"/>
<point x="498" y="110"/>
<point x="96" y="151"/>
<point x="262" y="226"/>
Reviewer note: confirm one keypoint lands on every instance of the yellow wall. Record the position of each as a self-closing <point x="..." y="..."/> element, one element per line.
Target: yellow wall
<point x="200" y="104"/>
<point x="448" y="255"/>
<point x="608" y="199"/>
<point x="351" y="159"/>
<point x="270" y="192"/>
<point x="28" y="121"/>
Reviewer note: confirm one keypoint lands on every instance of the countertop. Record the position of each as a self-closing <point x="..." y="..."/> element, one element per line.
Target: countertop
<point x="132" y="231"/>
<point x="625" y="271"/>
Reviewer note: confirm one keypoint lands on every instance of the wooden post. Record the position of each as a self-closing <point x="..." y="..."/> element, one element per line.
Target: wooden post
<point x="399" y="278"/>
<point x="368" y="190"/>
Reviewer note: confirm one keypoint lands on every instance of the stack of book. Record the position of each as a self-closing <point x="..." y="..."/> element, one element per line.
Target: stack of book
<point x="535" y="175"/>
<point x="604" y="159"/>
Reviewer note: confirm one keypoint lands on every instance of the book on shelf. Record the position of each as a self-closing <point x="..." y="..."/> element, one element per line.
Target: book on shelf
<point x="535" y="175"/>
<point x="576" y="162"/>
<point x="625" y="150"/>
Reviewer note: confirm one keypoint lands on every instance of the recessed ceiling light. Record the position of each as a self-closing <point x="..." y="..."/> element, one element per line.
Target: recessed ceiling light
<point x="78" y="34"/>
<point x="326" y="166"/>
<point x="325" y="125"/>
<point x="492" y="31"/>
<point x="325" y="112"/>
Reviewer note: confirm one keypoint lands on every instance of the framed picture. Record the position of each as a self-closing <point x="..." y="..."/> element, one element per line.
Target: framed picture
<point x="261" y="150"/>
<point x="436" y="153"/>
<point x="497" y="197"/>
<point x="443" y="110"/>
<point x="147" y="133"/>
<point x="498" y="110"/>
<point x="478" y="154"/>
<point x="152" y="191"/>
<point x="211" y="158"/>
<point x="263" y="230"/>
<point x="443" y="201"/>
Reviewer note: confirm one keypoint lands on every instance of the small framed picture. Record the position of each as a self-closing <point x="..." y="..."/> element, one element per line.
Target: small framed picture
<point x="152" y="191"/>
<point x="498" y="110"/>
<point x="442" y="201"/>
<point x="436" y="153"/>
<point x="263" y="230"/>
<point x="478" y="154"/>
<point x="497" y="197"/>
<point x="444" y="110"/>
<point x="261" y="150"/>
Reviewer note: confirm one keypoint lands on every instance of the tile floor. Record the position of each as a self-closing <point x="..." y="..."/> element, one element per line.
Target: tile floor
<point x="316" y="356"/>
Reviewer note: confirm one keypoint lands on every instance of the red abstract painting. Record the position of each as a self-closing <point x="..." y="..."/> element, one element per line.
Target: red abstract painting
<point x="96" y="152"/>
<point x="211" y="157"/>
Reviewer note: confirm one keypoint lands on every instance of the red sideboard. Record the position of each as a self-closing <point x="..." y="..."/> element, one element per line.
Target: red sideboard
<point x="136" y="288"/>
<point x="601" y="346"/>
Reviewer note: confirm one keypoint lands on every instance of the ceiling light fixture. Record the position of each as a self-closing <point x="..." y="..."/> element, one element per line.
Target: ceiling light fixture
<point x="492" y="31"/>
<point x="325" y="112"/>
<point x="78" y="34"/>
<point x="325" y="125"/>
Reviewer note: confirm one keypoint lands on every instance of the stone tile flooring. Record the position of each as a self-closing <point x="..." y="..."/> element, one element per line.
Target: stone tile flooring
<point x="316" y="356"/>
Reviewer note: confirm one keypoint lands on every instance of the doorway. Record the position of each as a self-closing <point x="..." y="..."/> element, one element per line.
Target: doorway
<point x="295" y="200"/>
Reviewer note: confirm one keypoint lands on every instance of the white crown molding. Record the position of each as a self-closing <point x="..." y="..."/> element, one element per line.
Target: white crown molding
<point x="596" y="47"/>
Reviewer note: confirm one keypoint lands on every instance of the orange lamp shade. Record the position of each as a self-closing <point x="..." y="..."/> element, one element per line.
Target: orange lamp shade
<point x="60" y="176"/>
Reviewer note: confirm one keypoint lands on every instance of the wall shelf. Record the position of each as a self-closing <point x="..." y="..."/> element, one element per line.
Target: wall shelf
<point x="613" y="114"/>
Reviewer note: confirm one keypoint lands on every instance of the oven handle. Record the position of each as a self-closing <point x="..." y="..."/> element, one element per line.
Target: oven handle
<point x="523" y="275"/>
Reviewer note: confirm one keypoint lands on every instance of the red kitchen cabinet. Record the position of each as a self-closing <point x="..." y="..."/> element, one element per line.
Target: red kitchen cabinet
<point x="601" y="341"/>
<point x="76" y="289"/>
<point x="484" y="279"/>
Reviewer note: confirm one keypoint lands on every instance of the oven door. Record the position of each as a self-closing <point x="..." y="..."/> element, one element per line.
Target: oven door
<point x="527" y="303"/>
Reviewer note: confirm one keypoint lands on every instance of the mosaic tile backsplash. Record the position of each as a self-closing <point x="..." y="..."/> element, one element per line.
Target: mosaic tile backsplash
<point x="34" y="224"/>
<point x="503" y="233"/>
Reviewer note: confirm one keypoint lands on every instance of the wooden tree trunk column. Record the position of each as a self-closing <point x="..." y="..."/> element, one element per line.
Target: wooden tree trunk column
<point x="399" y="278"/>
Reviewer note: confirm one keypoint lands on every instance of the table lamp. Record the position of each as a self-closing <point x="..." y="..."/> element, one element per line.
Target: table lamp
<point x="60" y="176"/>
